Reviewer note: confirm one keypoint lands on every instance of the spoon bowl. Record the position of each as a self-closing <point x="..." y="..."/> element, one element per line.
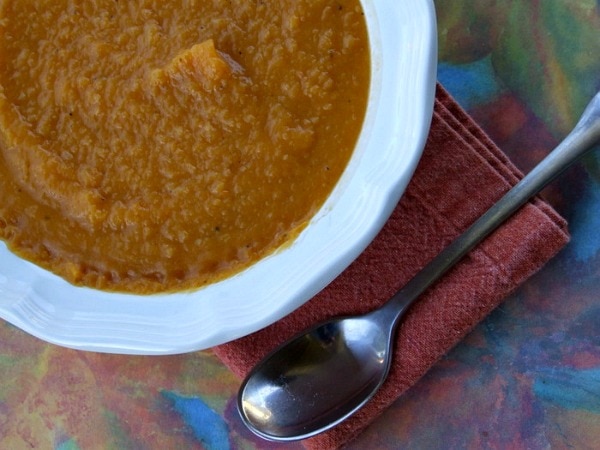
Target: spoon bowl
<point x="274" y="398"/>
<point x="325" y="374"/>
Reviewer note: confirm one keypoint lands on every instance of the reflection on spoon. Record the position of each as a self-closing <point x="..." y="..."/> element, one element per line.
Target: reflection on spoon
<point x="324" y="375"/>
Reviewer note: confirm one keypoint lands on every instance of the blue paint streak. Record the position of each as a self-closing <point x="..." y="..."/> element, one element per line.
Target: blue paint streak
<point x="585" y="225"/>
<point x="470" y="84"/>
<point x="205" y="423"/>
<point x="570" y="388"/>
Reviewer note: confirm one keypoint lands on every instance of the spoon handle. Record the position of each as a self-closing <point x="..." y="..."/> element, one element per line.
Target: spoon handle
<point x="583" y="137"/>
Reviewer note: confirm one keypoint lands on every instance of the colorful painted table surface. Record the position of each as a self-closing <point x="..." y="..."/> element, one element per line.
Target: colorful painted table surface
<point x="527" y="377"/>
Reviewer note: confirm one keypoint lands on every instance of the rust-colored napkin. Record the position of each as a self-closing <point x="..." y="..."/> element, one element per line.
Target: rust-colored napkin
<point x="460" y="175"/>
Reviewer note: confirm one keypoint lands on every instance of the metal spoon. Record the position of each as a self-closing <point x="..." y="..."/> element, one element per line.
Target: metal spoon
<point x="324" y="375"/>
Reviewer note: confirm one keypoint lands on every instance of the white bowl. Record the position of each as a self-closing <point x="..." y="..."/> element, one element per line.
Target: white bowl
<point x="404" y="53"/>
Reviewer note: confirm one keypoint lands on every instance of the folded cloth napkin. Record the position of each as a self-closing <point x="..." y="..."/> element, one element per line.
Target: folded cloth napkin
<point x="460" y="175"/>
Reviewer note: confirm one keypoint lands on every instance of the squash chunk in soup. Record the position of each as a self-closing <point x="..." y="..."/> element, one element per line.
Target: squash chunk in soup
<point x="150" y="146"/>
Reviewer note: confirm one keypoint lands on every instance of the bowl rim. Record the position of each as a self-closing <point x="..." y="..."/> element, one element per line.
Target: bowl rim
<point x="403" y="64"/>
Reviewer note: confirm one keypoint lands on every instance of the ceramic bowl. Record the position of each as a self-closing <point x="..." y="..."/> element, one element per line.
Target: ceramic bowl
<point x="403" y="49"/>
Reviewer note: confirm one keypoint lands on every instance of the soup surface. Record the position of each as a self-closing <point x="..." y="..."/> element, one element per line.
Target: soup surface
<point x="152" y="146"/>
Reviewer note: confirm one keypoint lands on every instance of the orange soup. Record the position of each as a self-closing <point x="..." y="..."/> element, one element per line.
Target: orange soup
<point x="150" y="146"/>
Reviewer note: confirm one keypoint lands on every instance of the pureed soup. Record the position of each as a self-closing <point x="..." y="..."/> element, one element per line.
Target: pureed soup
<point x="151" y="146"/>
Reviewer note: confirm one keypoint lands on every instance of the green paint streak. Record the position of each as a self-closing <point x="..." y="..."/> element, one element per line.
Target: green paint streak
<point x="571" y="42"/>
<point x="119" y="439"/>
<point x="69" y="444"/>
<point x="7" y="361"/>
<point x="557" y="84"/>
